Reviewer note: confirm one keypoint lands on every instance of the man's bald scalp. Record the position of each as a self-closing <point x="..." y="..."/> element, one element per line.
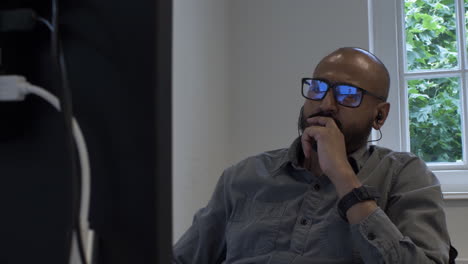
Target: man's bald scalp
<point x="357" y="57"/>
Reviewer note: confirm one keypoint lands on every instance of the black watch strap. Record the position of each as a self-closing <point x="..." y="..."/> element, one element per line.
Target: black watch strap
<point x="357" y="195"/>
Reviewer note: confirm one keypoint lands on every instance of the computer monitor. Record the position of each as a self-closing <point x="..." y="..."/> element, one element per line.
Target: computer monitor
<point x="118" y="58"/>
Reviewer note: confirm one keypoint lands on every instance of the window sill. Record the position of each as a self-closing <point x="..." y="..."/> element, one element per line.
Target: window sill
<point x="455" y="195"/>
<point x="454" y="183"/>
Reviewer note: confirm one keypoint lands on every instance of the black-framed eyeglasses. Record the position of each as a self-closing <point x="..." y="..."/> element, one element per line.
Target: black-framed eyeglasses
<point x="345" y="94"/>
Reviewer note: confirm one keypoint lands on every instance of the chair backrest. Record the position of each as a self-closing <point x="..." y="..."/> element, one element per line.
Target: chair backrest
<point x="453" y="253"/>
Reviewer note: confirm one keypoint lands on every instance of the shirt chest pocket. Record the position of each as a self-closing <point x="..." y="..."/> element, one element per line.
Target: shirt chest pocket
<point x="253" y="228"/>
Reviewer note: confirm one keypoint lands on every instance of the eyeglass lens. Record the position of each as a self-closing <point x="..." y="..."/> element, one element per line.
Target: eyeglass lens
<point x="346" y="95"/>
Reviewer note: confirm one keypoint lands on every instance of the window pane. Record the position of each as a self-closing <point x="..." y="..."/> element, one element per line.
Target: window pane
<point x="434" y="112"/>
<point x="466" y="23"/>
<point x="431" y="39"/>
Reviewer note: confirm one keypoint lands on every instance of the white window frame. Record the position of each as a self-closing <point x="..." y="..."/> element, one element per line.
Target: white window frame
<point x="386" y="40"/>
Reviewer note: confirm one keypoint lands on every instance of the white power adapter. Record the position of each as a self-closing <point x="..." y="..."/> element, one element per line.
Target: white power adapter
<point x="12" y="88"/>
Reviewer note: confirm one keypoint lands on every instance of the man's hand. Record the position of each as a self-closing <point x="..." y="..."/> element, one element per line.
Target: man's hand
<point x="333" y="161"/>
<point x="331" y="151"/>
<point x="330" y="142"/>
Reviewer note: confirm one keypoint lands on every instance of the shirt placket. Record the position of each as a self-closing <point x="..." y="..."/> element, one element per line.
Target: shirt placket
<point x="306" y="219"/>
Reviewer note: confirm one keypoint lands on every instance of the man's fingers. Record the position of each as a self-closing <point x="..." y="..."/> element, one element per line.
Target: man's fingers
<point x="313" y="134"/>
<point x="306" y="141"/>
<point x="309" y="137"/>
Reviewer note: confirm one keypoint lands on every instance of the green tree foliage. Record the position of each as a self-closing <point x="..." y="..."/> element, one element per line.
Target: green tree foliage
<point x="430" y="27"/>
<point x="435" y="128"/>
<point x="434" y="103"/>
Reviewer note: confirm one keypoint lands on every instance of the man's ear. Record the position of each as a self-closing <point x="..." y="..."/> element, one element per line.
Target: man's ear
<point x="381" y="114"/>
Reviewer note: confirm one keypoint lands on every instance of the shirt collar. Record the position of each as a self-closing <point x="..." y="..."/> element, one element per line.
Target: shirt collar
<point x="295" y="154"/>
<point x="360" y="156"/>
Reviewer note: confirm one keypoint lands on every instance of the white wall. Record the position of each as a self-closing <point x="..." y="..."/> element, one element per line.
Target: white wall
<point x="272" y="45"/>
<point x="244" y="60"/>
<point x="200" y="109"/>
<point x="457" y="215"/>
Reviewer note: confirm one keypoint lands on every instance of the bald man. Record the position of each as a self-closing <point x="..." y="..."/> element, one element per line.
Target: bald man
<point x="330" y="197"/>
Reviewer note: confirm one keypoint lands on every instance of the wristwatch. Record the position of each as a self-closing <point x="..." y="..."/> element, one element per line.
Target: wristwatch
<point x="357" y="195"/>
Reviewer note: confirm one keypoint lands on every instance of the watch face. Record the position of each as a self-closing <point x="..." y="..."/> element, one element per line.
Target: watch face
<point x="366" y="192"/>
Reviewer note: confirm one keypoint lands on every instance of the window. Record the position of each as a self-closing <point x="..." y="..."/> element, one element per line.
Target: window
<point x="433" y="73"/>
<point x="423" y="43"/>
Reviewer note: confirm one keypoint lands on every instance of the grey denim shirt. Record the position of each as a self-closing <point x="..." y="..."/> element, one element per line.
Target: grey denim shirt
<point x="267" y="209"/>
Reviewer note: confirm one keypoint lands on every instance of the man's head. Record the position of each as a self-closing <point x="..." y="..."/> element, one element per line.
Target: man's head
<point x="351" y="67"/>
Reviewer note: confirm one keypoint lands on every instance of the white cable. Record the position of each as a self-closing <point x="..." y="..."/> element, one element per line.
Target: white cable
<point x="14" y="88"/>
<point x="83" y="157"/>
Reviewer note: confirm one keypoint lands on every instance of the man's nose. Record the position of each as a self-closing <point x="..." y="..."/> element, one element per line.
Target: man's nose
<point x="329" y="104"/>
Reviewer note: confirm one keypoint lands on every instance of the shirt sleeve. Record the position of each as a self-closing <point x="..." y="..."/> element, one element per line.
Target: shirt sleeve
<point x="412" y="229"/>
<point x="204" y="242"/>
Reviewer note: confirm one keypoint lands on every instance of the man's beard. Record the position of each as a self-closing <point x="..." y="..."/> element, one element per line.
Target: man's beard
<point x="355" y="137"/>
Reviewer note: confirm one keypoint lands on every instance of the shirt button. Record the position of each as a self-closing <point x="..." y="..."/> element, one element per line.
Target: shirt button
<point x="317" y="187"/>
<point x="303" y="221"/>
<point x="371" y="236"/>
